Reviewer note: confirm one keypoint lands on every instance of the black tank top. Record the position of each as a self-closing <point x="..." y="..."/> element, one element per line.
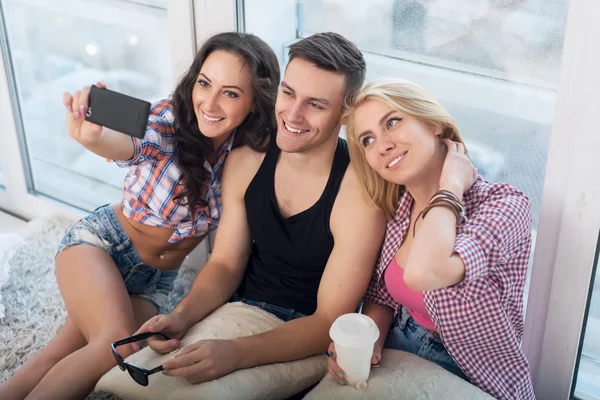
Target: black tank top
<point x="289" y="255"/>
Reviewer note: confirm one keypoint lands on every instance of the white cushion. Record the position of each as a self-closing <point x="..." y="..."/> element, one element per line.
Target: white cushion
<point x="402" y="376"/>
<point x="273" y="381"/>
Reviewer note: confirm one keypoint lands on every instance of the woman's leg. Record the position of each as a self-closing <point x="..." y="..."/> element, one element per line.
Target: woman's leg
<point x="98" y="304"/>
<point x="67" y="340"/>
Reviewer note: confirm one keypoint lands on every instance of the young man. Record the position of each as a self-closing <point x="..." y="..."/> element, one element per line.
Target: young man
<point x="296" y="231"/>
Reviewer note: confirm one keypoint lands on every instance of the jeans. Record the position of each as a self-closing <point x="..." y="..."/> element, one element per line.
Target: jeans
<point x="103" y="230"/>
<point x="407" y="335"/>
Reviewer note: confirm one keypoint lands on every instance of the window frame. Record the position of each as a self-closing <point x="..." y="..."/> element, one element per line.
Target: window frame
<point x="17" y="196"/>
<point x="570" y="213"/>
<point x="561" y="238"/>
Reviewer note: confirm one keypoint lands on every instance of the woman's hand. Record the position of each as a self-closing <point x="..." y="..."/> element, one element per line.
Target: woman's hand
<point x="458" y="174"/>
<point x="337" y="373"/>
<point x="79" y="129"/>
<point x="172" y="325"/>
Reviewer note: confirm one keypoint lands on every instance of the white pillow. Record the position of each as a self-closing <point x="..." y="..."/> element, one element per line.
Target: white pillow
<point x="273" y="381"/>
<point x="402" y="375"/>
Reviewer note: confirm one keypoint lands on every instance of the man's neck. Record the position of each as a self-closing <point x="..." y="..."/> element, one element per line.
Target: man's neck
<point x="317" y="160"/>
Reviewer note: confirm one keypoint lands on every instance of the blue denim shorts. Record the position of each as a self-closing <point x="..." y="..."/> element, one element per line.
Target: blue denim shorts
<point x="103" y="230"/>
<point x="284" y="314"/>
<point x="407" y="335"/>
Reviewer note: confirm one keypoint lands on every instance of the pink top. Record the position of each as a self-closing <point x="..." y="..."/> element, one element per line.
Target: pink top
<point x="480" y="320"/>
<point x="413" y="301"/>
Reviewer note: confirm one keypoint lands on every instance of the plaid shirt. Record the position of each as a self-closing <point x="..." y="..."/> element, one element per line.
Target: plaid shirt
<point x="480" y="320"/>
<point x="154" y="180"/>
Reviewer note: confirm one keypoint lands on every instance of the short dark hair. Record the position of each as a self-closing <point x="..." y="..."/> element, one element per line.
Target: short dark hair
<point x="256" y="131"/>
<point x="333" y="52"/>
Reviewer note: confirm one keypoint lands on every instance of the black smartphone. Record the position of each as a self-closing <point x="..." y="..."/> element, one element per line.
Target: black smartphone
<point x="118" y="111"/>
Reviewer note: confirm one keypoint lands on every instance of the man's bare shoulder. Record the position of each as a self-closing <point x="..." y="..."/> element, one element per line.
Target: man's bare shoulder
<point x="351" y="190"/>
<point x="352" y="204"/>
<point x="241" y="165"/>
<point x="243" y="161"/>
<point x="245" y="155"/>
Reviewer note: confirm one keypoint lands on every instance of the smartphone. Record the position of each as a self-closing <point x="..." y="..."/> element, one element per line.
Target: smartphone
<point x="117" y="111"/>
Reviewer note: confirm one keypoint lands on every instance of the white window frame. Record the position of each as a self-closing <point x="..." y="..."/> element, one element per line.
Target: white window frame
<point x="570" y="212"/>
<point x="570" y="215"/>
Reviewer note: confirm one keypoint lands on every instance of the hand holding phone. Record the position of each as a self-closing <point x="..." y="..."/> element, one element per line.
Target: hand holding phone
<point x="117" y="111"/>
<point x="79" y="129"/>
<point x="93" y="107"/>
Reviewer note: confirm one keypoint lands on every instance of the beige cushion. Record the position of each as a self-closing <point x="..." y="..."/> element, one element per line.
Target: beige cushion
<point x="273" y="381"/>
<point x="402" y="376"/>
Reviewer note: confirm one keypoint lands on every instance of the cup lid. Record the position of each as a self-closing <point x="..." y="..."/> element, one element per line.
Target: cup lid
<point x="354" y="330"/>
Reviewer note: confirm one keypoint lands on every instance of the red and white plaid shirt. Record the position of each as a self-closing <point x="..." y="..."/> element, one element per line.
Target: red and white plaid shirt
<point x="480" y="320"/>
<point x="154" y="180"/>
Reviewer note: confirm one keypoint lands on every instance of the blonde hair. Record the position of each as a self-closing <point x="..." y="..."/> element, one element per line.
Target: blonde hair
<point x="410" y="99"/>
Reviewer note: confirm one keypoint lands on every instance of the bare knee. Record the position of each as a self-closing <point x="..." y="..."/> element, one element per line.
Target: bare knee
<point x="102" y="342"/>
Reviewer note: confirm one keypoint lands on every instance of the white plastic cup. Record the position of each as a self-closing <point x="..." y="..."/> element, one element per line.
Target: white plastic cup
<point x="354" y="336"/>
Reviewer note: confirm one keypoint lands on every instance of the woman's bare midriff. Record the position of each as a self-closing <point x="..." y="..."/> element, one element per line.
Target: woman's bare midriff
<point x="152" y="242"/>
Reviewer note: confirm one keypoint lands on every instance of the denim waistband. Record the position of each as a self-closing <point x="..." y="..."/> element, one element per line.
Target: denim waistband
<point x="283" y="313"/>
<point x="107" y="215"/>
<point x="404" y="319"/>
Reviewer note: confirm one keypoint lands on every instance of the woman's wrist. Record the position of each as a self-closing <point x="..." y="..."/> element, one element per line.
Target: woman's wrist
<point x="454" y="189"/>
<point x="445" y="198"/>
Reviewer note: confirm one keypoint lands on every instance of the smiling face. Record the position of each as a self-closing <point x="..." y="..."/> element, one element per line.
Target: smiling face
<point x="398" y="146"/>
<point x="222" y="95"/>
<point x="309" y="106"/>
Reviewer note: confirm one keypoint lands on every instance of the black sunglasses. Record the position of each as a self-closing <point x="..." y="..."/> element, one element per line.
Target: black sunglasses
<point x="139" y="374"/>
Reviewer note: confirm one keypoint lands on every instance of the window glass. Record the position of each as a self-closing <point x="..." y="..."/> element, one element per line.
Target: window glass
<point x="63" y="46"/>
<point x="493" y="64"/>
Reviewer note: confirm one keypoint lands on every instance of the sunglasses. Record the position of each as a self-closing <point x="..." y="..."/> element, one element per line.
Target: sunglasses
<point x="139" y="374"/>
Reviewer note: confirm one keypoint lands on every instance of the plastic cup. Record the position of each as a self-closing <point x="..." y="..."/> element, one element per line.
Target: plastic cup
<point x="354" y="336"/>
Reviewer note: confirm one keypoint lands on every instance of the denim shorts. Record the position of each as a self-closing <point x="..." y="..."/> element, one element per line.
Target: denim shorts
<point x="284" y="314"/>
<point x="103" y="230"/>
<point x="407" y="335"/>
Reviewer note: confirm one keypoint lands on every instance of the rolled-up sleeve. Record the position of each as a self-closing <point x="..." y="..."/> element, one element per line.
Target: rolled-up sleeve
<point x="374" y="292"/>
<point x="494" y="232"/>
<point x="158" y="140"/>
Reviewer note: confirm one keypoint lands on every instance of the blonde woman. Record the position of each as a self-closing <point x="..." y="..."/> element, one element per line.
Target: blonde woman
<point x="449" y="282"/>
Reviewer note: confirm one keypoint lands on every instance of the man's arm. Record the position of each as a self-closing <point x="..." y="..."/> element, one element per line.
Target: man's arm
<point x="222" y="274"/>
<point x="358" y="232"/>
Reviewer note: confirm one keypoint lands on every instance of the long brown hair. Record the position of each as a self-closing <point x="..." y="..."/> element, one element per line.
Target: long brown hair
<point x="256" y="130"/>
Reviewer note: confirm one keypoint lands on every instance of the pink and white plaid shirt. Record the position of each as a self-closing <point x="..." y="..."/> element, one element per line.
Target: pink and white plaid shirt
<point x="480" y="320"/>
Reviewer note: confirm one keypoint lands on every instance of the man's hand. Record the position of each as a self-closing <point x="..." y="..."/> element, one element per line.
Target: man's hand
<point x="204" y="361"/>
<point x="173" y="325"/>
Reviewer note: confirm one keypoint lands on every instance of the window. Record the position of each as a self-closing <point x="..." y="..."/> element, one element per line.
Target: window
<point x="63" y="46"/>
<point x="494" y="65"/>
<point x="587" y="384"/>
